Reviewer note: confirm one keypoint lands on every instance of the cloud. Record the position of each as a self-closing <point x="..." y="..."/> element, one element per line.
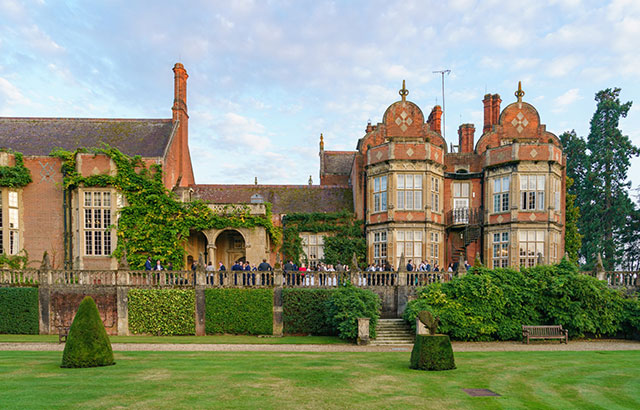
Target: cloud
<point x="562" y="102"/>
<point x="40" y="40"/>
<point x="11" y="93"/>
<point x="564" y="65"/>
<point x="239" y="133"/>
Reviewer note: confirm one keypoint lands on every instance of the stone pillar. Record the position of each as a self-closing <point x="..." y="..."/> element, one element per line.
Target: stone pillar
<point x="402" y="293"/>
<point x="44" y="295"/>
<point x="122" y="307"/>
<point x="363" y="331"/>
<point x="278" y="327"/>
<point x="200" y="311"/>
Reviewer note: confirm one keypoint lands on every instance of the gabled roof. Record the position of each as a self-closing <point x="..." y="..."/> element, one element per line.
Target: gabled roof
<point x="284" y="198"/>
<point x="338" y="162"/>
<point x="39" y="136"/>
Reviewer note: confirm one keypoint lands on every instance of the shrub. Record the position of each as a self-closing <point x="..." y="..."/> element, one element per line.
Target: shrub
<point x="19" y="311"/>
<point x="239" y="311"/>
<point x="432" y="352"/>
<point x="347" y="304"/>
<point x="494" y="304"/>
<point x="305" y="311"/>
<point x="162" y="311"/>
<point x="87" y="343"/>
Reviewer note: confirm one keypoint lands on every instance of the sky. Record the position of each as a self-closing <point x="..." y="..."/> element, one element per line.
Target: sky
<point x="267" y="77"/>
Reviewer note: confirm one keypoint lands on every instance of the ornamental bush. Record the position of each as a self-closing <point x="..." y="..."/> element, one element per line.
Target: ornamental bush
<point x="304" y="311"/>
<point x="432" y="352"/>
<point x="162" y="311"/>
<point x="19" y="311"/>
<point x="494" y="304"/>
<point x="239" y="311"/>
<point x="87" y="343"/>
<point x="347" y="304"/>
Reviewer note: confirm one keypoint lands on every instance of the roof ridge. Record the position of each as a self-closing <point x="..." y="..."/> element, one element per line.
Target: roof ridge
<point x="86" y="119"/>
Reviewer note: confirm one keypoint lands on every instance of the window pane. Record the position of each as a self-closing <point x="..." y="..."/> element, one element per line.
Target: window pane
<point x="320" y="240"/>
<point x="541" y="180"/>
<point x="523" y="236"/>
<point x="417" y="249"/>
<point x="400" y="181"/>
<point x="383" y="236"/>
<point x="496" y="203"/>
<point x="13" y="199"/>
<point x="408" y="249"/>
<point x="97" y="199"/>
<point x="400" y="199"/>
<point x="383" y="200"/>
<point x="539" y="249"/>
<point x="383" y="183"/>
<point x="497" y="185"/>
<point x="523" y="182"/>
<point x="456" y="190"/>
<point x="505" y="184"/>
<point x="496" y="237"/>
<point x="540" y="200"/>
<point x="107" y="199"/>
<point x="505" y="236"/>
<point x="409" y="199"/>
<point x="496" y="251"/>
<point x="408" y="236"/>
<point x="417" y="181"/>
<point x="505" y="201"/>
<point x="417" y="198"/>
<point x="400" y="249"/>
<point x="408" y="181"/>
<point x="312" y="239"/>
<point x="401" y="235"/>
<point x="417" y="235"/>
<point x="539" y="236"/>
<point x="465" y="190"/>
<point x="13" y="218"/>
<point x="376" y="185"/>
<point x="87" y="199"/>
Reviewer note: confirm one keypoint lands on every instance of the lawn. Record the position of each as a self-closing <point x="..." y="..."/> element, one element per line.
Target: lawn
<point x="214" y="339"/>
<point x="579" y="380"/>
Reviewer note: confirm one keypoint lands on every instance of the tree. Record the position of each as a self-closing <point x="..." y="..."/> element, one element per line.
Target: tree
<point x="572" y="237"/>
<point x="605" y="195"/>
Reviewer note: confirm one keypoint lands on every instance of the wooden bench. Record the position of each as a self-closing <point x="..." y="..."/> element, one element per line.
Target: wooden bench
<point x="544" y="332"/>
<point x="63" y="332"/>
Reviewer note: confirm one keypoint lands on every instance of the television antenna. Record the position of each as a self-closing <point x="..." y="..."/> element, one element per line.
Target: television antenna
<point x="442" y="73"/>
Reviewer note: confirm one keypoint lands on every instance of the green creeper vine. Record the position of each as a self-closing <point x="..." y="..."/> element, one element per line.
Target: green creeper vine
<point x="345" y="236"/>
<point x="16" y="176"/>
<point x="154" y="222"/>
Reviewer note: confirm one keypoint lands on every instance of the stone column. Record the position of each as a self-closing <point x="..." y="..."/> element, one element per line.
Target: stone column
<point x="278" y="327"/>
<point x="200" y="311"/>
<point x="122" y="307"/>
<point x="402" y="293"/>
<point x="44" y="295"/>
<point x="363" y="331"/>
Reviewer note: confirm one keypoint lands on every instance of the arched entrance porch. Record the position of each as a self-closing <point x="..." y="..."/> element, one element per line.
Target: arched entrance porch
<point x="196" y="245"/>
<point x="230" y="246"/>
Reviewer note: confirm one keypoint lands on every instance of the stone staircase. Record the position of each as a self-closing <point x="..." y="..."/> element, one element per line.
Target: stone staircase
<point x="393" y="332"/>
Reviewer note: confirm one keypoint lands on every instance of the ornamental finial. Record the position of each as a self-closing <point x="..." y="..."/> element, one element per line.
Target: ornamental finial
<point x="404" y="92"/>
<point x="321" y="142"/>
<point x="519" y="93"/>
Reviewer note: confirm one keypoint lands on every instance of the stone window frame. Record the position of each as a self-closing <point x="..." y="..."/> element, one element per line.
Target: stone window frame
<point x="500" y="241"/>
<point x="403" y="191"/>
<point x="435" y="194"/>
<point x="530" y="192"/>
<point x="416" y="241"/>
<point x="554" y="246"/>
<point x="528" y="244"/>
<point x="116" y="201"/>
<point x="501" y="195"/>
<point x="434" y="248"/>
<point x="313" y="247"/>
<point x="380" y="193"/>
<point x="11" y="226"/>
<point x="556" y="188"/>
<point x="380" y="246"/>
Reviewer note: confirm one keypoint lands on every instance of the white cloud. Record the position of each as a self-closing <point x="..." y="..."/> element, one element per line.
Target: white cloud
<point x="562" y="66"/>
<point x="242" y="133"/>
<point x="40" y="40"/>
<point x="11" y="93"/>
<point x="562" y="102"/>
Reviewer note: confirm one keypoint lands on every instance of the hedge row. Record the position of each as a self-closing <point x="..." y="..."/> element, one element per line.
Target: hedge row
<point x="162" y="311"/>
<point x="239" y="311"/>
<point x="19" y="311"/>
<point x="494" y="304"/>
<point x="304" y="311"/>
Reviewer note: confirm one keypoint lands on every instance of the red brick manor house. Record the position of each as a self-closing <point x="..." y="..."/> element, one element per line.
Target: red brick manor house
<point x="502" y="197"/>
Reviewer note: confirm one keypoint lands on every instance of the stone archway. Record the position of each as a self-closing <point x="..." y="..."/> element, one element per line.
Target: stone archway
<point x="230" y="246"/>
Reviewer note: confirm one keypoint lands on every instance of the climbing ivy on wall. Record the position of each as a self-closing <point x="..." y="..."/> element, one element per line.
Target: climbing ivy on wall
<point x="154" y="222"/>
<point x="345" y="236"/>
<point x="16" y="176"/>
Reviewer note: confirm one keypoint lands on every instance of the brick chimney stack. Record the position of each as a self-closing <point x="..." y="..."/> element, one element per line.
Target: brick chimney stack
<point x="465" y="138"/>
<point x="181" y="137"/>
<point x="491" y="111"/>
<point x="495" y="108"/>
<point x="435" y="119"/>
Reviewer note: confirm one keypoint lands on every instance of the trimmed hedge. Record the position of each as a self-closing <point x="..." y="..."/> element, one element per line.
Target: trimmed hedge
<point x="239" y="311"/>
<point x="162" y="311"/>
<point x="494" y="304"/>
<point x="304" y="311"/>
<point x="432" y="352"/>
<point x="19" y="311"/>
<point x="87" y="344"/>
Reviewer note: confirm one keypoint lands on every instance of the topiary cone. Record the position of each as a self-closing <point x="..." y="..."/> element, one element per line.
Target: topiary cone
<point x="87" y="343"/>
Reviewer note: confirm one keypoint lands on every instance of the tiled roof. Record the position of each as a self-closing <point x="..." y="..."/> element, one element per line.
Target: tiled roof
<point x="338" y="162"/>
<point x="285" y="198"/>
<point x="38" y="136"/>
